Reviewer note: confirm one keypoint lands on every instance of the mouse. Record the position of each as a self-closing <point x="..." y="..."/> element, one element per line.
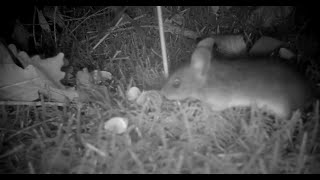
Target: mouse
<point x="264" y="81"/>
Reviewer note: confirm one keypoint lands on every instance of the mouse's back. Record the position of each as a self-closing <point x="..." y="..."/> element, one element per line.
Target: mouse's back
<point x="242" y="82"/>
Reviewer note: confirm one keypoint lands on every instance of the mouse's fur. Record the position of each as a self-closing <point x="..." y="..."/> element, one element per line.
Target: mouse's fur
<point x="223" y="83"/>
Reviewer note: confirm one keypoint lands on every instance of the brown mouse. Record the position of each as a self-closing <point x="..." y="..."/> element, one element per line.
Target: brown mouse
<point x="222" y="84"/>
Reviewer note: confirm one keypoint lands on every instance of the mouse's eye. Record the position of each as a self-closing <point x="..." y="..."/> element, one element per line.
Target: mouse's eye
<point x="176" y="83"/>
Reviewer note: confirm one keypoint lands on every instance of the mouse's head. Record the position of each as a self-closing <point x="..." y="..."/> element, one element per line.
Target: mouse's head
<point x="188" y="80"/>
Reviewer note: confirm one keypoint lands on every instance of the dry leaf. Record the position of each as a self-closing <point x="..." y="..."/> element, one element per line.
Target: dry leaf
<point x="265" y="45"/>
<point x="100" y="76"/>
<point x="84" y="78"/>
<point x="43" y="22"/>
<point x="39" y="76"/>
<point x="19" y="84"/>
<point x="49" y="70"/>
<point x="16" y="83"/>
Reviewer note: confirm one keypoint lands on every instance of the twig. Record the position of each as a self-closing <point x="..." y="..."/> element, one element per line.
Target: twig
<point x="156" y="53"/>
<point x="95" y="149"/>
<point x="31" y="103"/>
<point x="116" y="54"/>
<point x="163" y="43"/>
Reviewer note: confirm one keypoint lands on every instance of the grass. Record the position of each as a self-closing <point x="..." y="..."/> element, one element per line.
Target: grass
<point x="190" y="140"/>
<point x="162" y="136"/>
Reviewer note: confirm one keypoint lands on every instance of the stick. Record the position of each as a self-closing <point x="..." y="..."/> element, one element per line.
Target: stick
<point x="163" y="45"/>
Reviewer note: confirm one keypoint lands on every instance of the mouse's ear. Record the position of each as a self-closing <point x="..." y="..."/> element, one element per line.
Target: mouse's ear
<point x="201" y="57"/>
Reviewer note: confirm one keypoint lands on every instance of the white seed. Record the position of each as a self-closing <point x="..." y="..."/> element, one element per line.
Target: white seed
<point x="133" y="93"/>
<point x="116" y="124"/>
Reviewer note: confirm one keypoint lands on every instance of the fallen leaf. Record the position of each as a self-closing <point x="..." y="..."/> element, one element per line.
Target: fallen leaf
<point x="43" y="22"/>
<point x="49" y="69"/>
<point x="19" y="84"/>
<point x="265" y="45"/>
<point x="100" y="76"/>
<point x="41" y="75"/>
<point x="84" y="78"/>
